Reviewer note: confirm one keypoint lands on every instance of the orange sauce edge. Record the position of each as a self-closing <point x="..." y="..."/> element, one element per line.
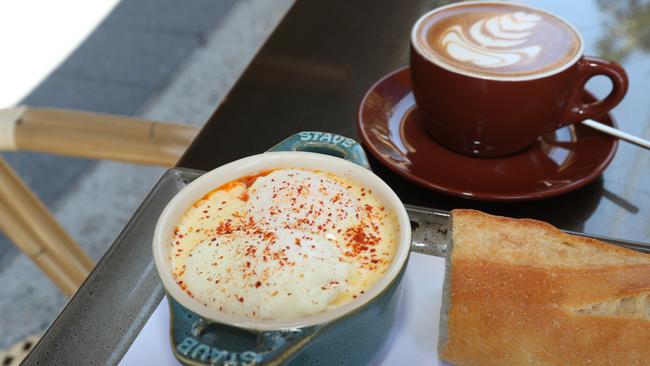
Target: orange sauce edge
<point x="248" y="181"/>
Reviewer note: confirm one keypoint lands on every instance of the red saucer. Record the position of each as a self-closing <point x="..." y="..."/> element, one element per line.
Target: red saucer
<point x="560" y="162"/>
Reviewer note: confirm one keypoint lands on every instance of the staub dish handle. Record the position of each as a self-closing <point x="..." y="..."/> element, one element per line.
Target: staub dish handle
<point x="325" y="143"/>
<point x="236" y="346"/>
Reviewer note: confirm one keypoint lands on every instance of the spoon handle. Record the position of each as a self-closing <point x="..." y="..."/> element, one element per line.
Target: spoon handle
<point x="617" y="133"/>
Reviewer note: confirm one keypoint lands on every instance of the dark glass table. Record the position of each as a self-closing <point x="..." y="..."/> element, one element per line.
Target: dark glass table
<point x="314" y="70"/>
<point x="311" y="75"/>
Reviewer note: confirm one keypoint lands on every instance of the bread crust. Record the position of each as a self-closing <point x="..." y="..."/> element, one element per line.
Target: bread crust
<point x="511" y="303"/>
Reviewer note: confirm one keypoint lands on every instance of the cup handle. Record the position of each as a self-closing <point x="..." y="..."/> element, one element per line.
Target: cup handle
<point x="325" y="143"/>
<point x="588" y="67"/>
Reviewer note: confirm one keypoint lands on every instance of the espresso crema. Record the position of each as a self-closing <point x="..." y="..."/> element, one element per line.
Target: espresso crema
<point x="283" y="244"/>
<point x="496" y="40"/>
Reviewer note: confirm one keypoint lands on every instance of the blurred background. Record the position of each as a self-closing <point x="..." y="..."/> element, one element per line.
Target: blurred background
<point x="156" y="59"/>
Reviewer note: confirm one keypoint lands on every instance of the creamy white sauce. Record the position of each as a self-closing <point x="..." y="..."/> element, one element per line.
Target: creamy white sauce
<point x="294" y="243"/>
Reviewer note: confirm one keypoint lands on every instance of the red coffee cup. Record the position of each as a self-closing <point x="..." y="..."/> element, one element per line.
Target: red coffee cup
<point x="473" y="107"/>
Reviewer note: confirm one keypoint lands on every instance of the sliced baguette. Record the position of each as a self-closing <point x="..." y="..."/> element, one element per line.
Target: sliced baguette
<point x="521" y="292"/>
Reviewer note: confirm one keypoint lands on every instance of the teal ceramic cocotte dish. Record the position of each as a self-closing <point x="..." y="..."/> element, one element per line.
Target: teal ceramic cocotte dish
<point x="351" y="334"/>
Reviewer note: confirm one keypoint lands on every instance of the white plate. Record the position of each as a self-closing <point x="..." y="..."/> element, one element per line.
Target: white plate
<point x="413" y="342"/>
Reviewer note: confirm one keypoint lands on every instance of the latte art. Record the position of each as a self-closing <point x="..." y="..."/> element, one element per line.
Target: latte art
<point x="496" y="39"/>
<point x="493" y="42"/>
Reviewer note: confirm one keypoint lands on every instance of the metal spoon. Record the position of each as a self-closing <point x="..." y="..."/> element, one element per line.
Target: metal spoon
<point x="617" y="133"/>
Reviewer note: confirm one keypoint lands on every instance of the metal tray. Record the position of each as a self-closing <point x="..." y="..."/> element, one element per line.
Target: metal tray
<point x="102" y="319"/>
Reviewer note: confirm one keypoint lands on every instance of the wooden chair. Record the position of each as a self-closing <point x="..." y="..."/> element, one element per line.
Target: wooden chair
<point x="24" y="218"/>
<point x="16" y="353"/>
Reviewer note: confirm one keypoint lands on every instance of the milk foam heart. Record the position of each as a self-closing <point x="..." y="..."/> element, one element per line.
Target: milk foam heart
<point x="496" y="39"/>
<point x="283" y="244"/>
